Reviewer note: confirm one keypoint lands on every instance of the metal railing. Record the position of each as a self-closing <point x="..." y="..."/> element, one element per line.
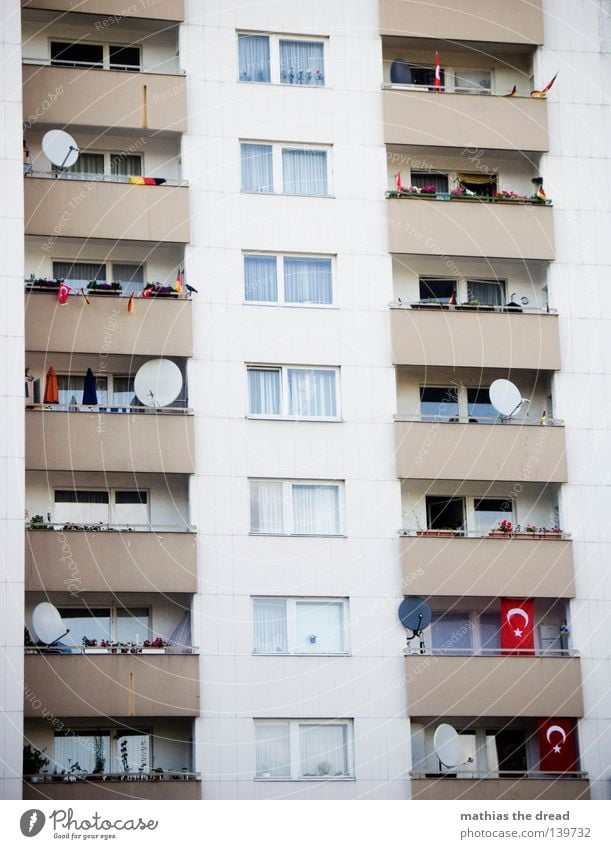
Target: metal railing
<point x="95" y="178"/>
<point x="450" y="533"/>
<point x="93" y="66"/>
<point x="443" y="651"/>
<point x="495" y="775"/>
<point x="150" y="775"/>
<point x="117" y="649"/>
<point x="110" y="527"/>
<point x="467" y="307"/>
<point x="113" y="408"/>
<point x="549" y="421"/>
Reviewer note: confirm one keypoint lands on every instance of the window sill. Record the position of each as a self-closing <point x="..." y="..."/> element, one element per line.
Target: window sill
<point x="296" y="536"/>
<point x="286" y="194"/>
<point x="302" y="305"/>
<point x="254" y="418"/>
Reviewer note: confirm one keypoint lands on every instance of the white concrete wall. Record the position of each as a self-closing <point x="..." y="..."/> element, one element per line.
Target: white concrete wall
<point x="354" y="334"/>
<point x="577" y="42"/>
<point x="11" y="405"/>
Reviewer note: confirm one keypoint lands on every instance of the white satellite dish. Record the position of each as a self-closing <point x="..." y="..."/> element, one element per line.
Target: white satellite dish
<point x="505" y="397"/>
<point x="60" y="148"/>
<point x="446" y="743"/>
<point x="157" y="383"/>
<point x="47" y="623"/>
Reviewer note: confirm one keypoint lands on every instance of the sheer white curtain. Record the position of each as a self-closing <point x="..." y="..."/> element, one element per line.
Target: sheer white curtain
<point x="254" y="58"/>
<point x="130" y="276"/>
<point x="270" y="625"/>
<point x="323" y="749"/>
<point x="319" y="627"/>
<point x="266" y="515"/>
<point x="302" y="62"/>
<point x="486" y="292"/>
<point x="132" y="752"/>
<point x="79" y="273"/>
<point x="315" y="509"/>
<point x="264" y="391"/>
<point x="260" y="278"/>
<point x="273" y="750"/>
<point x="451" y="633"/>
<point x="126" y="164"/>
<point x="257" y="168"/>
<point x="304" y="171"/>
<point x="312" y="392"/>
<point x="87" y="166"/>
<point x="307" y="281"/>
<point x="91" y="752"/>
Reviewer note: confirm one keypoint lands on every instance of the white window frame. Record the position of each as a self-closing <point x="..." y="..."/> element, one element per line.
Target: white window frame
<point x="452" y="184"/>
<point x="462" y="394"/>
<point x="287" y="507"/>
<point x="469" y="508"/>
<point x="462" y="283"/>
<point x="107" y="154"/>
<point x="105" y="45"/>
<point x="285" y="414"/>
<point x="293" y="726"/>
<point x="277" y="171"/>
<point x="281" y="301"/>
<point x="274" y="57"/>
<point x="450" y="73"/>
<point x="108" y="265"/>
<point x="114" y="616"/>
<point x="291" y="625"/>
<point x="111" y="491"/>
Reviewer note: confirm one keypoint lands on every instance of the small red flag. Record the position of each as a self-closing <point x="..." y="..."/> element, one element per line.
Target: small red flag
<point x="517" y="626"/>
<point x="130" y="304"/>
<point x="437" y="72"/>
<point x="452" y="298"/>
<point x="62" y="293"/>
<point x="398" y="182"/>
<point x="557" y="745"/>
<point x="146" y="293"/>
<point x="178" y="285"/>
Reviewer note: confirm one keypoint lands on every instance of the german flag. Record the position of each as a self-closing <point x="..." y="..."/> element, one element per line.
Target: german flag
<point x="147" y="181"/>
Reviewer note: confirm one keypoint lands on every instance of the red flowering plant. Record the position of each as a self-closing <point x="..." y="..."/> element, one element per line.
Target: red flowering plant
<point x="428" y="190"/>
<point x="505" y="195"/>
<point x="505" y="527"/>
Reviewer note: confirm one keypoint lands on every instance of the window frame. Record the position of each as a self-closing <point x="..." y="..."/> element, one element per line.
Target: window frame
<point x="274" y="40"/>
<point x="114" y="616"/>
<point x="454" y="182"/>
<point x="105" y="45"/>
<point x="280" y="279"/>
<point x="288" y="518"/>
<point x="277" y="149"/>
<point x="291" y="604"/>
<point x="108" y="154"/>
<point x="111" y="492"/>
<point x="461" y="289"/>
<point x="113" y="734"/>
<point x="293" y="727"/>
<point x="285" y="414"/>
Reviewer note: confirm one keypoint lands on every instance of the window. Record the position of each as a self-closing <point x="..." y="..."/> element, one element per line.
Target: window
<point x="421" y="179"/>
<point x="445" y="513"/>
<point x="75" y="506"/>
<point x="433" y="289"/>
<point x="293" y="749"/>
<point x="438" y="403"/>
<point x="479" y="406"/>
<point x="425" y="76"/>
<point x="472" y="82"/>
<point x="79" y="273"/>
<point x="92" y="164"/>
<point x="272" y="58"/>
<point x="126" y="164"/>
<point x="306" y="280"/>
<point x="296" y="626"/>
<point x="302" y="62"/>
<point x="483" y="185"/>
<point x="293" y="392"/>
<point x="130" y="276"/>
<point x="123" y="393"/>
<point x="124" y="58"/>
<point x="253" y="51"/>
<point x="490" y="511"/>
<point x="291" y="507"/>
<point x="460" y="632"/>
<point x="81" y="54"/>
<point x="491" y="292"/>
<point x="117" y="624"/>
<point x="287" y="170"/>
<point x="99" y="751"/>
<point x="88" y="164"/>
<point x="71" y="389"/>
<point x="130" y="508"/>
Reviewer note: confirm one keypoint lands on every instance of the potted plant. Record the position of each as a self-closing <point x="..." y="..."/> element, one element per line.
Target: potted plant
<point x="42" y="284"/>
<point x="99" y="287"/>
<point x="37" y="523"/>
<point x="324" y="768"/>
<point x="34" y="762"/>
<point x="156" y="646"/>
<point x="503" y="529"/>
<point x="157" y="290"/>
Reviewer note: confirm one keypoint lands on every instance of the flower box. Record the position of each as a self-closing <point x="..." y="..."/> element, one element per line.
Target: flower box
<point x="429" y="305"/>
<point x="499" y="535"/>
<point x="445" y="534"/>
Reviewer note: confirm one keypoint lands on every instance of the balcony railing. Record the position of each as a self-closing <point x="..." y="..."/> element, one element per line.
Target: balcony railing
<point x="102" y="527"/>
<point x="112" y="409"/>
<point x="549" y="421"/>
<point x="74" y="63"/>
<point x="114" y="648"/>
<point x="152" y="775"/>
<point x="486" y="775"/>
<point x="95" y="178"/>
<point x="483" y="652"/>
<point x="465" y="533"/>
<point x="438" y="306"/>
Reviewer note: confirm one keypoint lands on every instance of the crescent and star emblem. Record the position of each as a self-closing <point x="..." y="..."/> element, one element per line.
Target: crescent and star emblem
<point x="517" y="611"/>
<point x="556" y="729"/>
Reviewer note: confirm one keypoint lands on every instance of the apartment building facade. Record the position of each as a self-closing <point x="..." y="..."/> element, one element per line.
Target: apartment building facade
<point x="369" y="255"/>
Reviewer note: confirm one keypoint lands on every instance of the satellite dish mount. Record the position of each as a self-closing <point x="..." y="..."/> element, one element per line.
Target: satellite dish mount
<point x="60" y="149"/>
<point x="415" y="615"/>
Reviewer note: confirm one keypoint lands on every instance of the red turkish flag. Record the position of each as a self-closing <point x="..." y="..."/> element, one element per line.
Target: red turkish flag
<point x="62" y="293"/>
<point x="557" y="745"/>
<point x="437" y="84"/>
<point x="517" y="621"/>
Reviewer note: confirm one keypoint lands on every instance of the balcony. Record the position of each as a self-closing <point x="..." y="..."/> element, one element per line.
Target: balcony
<point x="464" y="121"/>
<point x="103" y="684"/>
<point x="517" y="788"/>
<point x="106" y="210"/>
<point x="87" y="97"/>
<point x="157" y="561"/>
<point x="159" y="326"/>
<point x="471" y="451"/>
<point x="472" y="228"/>
<point x="179" y="786"/>
<point x="484" y="566"/>
<point x="99" y="441"/>
<point x="472" y="338"/>
<point x="483" y="686"/>
<point x="168" y="10"/>
<point x="519" y="22"/>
